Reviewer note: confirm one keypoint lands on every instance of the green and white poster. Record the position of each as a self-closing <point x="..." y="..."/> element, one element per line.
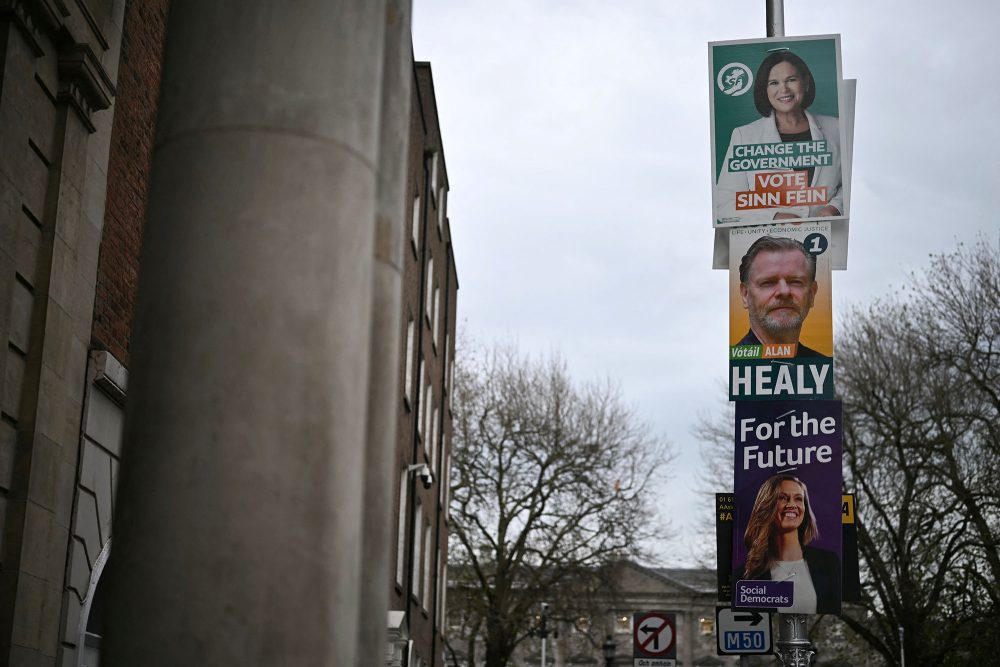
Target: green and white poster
<point x="778" y="131"/>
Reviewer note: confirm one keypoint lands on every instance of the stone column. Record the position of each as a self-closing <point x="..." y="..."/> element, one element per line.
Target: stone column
<point x="239" y="515"/>
<point x="387" y="288"/>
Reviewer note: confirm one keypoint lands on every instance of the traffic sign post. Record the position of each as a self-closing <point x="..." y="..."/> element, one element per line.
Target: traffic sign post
<point x="742" y="631"/>
<point x="654" y="639"/>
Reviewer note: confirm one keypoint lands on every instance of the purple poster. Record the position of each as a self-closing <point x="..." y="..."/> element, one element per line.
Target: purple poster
<point x="788" y="499"/>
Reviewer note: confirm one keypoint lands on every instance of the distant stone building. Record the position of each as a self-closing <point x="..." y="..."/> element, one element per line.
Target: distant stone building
<point x="689" y="593"/>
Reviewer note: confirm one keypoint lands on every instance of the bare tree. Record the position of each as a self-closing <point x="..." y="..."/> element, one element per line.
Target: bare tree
<point x="714" y="432"/>
<point x="919" y="374"/>
<point x="548" y="485"/>
<point x="957" y="324"/>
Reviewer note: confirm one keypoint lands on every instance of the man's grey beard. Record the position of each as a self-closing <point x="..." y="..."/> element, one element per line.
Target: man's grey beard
<point x="777" y="328"/>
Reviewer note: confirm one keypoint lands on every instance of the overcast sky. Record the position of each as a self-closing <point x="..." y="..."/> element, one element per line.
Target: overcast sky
<point x="576" y="136"/>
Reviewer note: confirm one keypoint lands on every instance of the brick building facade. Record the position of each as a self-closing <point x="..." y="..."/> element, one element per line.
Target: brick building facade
<point x="79" y="86"/>
<point x="77" y="109"/>
<point x="417" y="593"/>
<point x="129" y="158"/>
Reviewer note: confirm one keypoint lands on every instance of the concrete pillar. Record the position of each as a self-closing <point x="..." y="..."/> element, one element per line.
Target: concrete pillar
<point x="239" y="515"/>
<point x="384" y="391"/>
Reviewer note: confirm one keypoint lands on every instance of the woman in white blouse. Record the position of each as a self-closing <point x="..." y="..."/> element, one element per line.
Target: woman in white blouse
<point x="777" y="539"/>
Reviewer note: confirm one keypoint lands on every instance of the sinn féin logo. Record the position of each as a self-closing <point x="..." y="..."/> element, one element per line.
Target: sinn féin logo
<point x="734" y="79"/>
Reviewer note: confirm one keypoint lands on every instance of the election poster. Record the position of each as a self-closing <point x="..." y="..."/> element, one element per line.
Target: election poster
<point x="840" y="228"/>
<point x="787" y="542"/>
<point x="724" y="510"/>
<point x="851" y="587"/>
<point x="778" y="131"/>
<point x="780" y="312"/>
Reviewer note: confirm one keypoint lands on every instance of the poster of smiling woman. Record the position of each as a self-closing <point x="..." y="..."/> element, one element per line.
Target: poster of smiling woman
<point x="777" y="130"/>
<point x="787" y="536"/>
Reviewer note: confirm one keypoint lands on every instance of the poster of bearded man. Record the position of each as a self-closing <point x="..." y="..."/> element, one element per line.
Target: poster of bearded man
<point x="780" y="312"/>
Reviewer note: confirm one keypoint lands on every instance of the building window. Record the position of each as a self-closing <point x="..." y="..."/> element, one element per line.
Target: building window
<point x="92" y="612"/>
<point x="441" y="209"/>
<point x="706" y="625"/>
<point x="435" y="158"/>
<point x="426" y="413"/>
<point x="436" y="312"/>
<point x="446" y="480"/>
<point x="427" y="567"/>
<point x="415" y="226"/>
<point x="447" y="354"/>
<point x="417" y="549"/>
<point x="434" y="439"/>
<point x="623" y="623"/>
<point x="442" y="593"/>
<point x="408" y="381"/>
<point x="430" y="283"/>
<point x="451" y="372"/>
<point x="420" y="408"/>
<point x="401" y="530"/>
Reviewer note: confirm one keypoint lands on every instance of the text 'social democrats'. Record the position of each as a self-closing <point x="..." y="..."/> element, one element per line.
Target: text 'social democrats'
<point x="759" y="595"/>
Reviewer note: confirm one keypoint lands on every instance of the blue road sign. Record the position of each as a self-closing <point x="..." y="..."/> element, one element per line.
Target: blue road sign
<point x="742" y="631"/>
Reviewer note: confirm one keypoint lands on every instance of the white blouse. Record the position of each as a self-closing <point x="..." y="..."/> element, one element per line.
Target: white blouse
<point x="804" y="593"/>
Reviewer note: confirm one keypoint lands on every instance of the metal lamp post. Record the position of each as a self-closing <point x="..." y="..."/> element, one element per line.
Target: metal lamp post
<point x="544" y="629"/>
<point x="608" y="648"/>
<point x="794" y="648"/>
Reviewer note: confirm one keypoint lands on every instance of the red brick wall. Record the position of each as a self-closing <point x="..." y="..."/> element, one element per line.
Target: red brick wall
<point x="128" y="174"/>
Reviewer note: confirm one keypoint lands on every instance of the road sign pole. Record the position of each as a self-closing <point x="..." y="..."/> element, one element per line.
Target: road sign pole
<point x="794" y="649"/>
